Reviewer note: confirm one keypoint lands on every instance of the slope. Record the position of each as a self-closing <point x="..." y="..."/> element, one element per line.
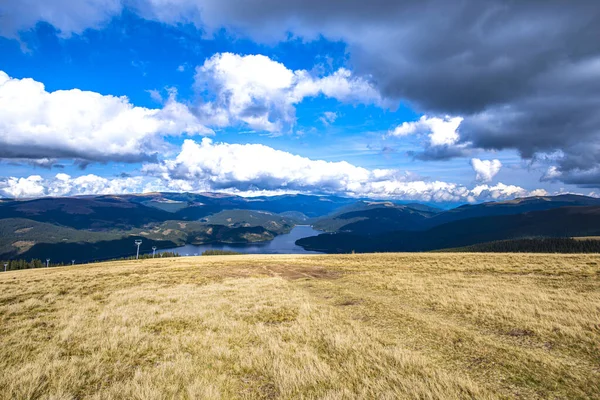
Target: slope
<point x="106" y="212"/>
<point x="414" y="326"/>
<point x="559" y="222"/>
<point x="371" y="218"/>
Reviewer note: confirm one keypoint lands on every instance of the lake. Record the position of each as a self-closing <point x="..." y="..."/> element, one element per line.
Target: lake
<point x="282" y="244"/>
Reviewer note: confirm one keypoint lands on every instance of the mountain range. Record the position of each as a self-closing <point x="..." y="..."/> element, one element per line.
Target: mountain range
<point x="386" y="226"/>
<point x="101" y="227"/>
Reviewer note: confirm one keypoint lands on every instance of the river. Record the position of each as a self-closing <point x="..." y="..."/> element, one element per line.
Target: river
<point x="282" y="244"/>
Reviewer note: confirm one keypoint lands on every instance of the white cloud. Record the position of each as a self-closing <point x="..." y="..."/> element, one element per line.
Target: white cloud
<point x="501" y="191"/>
<point x="328" y="118"/>
<point x="443" y="139"/>
<point x="407" y="128"/>
<point x="64" y="185"/>
<point x="262" y="93"/>
<point x="552" y="174"/>
<point x="485" y="169"/>
<point x="225" y="165"/>
<point x="86" y="125"/>
<point x="32" y="186"/>
<point x="441" y="131"/>
<point x="340" y="85"/>
<point x="254" y="167"/>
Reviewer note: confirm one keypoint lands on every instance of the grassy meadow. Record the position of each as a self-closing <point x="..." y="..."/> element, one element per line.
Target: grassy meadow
<point x="389" y="326"/>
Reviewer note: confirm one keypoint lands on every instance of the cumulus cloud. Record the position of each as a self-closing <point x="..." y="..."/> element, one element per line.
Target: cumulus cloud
<point x="254" y="165"/>
<point x="501" y="191"/>
<point x="441" y="131"/>
<point x="263" y="93"/>
<point x="552" y="174"/>
<point x="442" y="136"/>
<point x="65" y="185"/>
<point x="485" y="170"/>
<point x="249" y="167"/>
<point x="254" y="169"/>
<point x="35" y="123"/>
<point x="32" y="186"/>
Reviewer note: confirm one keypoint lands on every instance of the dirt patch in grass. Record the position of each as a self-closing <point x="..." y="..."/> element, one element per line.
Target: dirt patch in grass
<point x="291" y="272"/>
<point x="303" y="272"/>
<point x="520" y="332"/>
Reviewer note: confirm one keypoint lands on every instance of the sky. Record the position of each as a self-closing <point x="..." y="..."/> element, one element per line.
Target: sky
<point x="435" y="101"/>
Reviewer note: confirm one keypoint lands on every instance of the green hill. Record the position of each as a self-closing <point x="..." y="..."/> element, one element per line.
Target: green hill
<point x="96" y="213"/>
<point x="559" y="222"/>
<point x="512" y="207"/>
<point x="374" y="218"/>
<point x="103" y="226"/>
<point x="248" y="218"/>
<point x="27" y="239"/>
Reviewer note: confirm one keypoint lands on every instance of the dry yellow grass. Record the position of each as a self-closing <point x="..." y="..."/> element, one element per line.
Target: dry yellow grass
<point x="415" y="326"/>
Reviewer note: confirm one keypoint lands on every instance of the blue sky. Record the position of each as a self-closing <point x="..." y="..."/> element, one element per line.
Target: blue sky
<point x="306" y="106"/>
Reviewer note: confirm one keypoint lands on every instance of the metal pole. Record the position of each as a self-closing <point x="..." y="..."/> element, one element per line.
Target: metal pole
<point x="153" y="251"/>
<point x="138" y="243"/>
<point x="47" y="262"/>
<point x="5" y="265"/>
<point x="72" y="262"/>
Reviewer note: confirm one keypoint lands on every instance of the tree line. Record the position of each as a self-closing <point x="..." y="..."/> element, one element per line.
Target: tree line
<point x="534" y="245"/>
<point x="220" y="253"/>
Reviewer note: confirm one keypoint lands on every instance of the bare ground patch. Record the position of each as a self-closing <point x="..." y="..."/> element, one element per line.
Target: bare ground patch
<point x="23" y="245"/>
<point x="282" y="271"/>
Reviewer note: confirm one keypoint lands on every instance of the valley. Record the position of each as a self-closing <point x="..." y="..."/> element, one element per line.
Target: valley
<point x="95" y="228"/>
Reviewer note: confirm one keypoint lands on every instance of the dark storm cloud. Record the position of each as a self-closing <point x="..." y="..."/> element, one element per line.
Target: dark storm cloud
<point x="37" y="154"/>
<point x="525" y="75"/>
<point x="45" y="163"/>
<point x="452" y="56"/>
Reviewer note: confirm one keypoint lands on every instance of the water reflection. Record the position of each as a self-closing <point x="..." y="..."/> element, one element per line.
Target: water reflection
<point x="282" y="244"/>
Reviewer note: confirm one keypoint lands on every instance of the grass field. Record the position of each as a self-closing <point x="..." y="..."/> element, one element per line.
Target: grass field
<point x="415" y="326"/>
